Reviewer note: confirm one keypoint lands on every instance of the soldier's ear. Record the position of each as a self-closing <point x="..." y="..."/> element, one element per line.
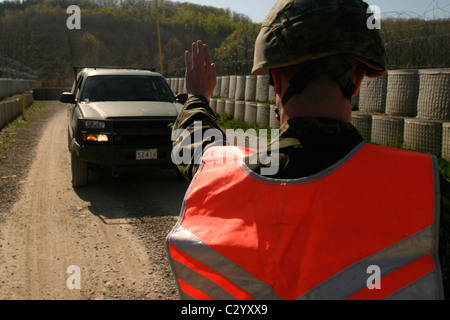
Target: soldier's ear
<point x="359" y="76"/>
<point x="276" y="80"/>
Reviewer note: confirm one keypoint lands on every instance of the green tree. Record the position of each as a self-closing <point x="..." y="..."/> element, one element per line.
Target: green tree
<point x="235" y="55"/>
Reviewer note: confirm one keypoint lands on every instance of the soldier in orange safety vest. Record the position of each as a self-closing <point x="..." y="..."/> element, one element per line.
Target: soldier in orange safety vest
<point x="339" y="218"/>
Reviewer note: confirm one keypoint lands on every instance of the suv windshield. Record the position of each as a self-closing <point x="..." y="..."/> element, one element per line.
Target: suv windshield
<point x="126" y="88"/>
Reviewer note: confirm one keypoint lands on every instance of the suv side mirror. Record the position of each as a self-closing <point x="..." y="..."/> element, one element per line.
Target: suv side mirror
<point x="182" y="98"/>
<point x="67" y="97"/>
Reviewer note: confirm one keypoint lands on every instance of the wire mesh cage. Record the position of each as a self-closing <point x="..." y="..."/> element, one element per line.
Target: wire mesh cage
<point x="218" y="87"/>
<point x="363" y="123"/>
<point x="387" y="131"/>
<point x="262" y="87"/>
<point x="229" y="108"/>
<point x="240" y="88"/>
<point x="272" y="95"/>
<point x="423" y="135"/>
<point x="239" y="110"/>
<point x="213" y="104"/>
<point x="250" y="88"/>
<point x="263" y="114"/>
<point x="225" y="88"/>
<point x="372" y="94"/>
<point x="220" y="107"/>
<point x="274" y="122"/>
<point x="181" y="85"/>
<point x="232" y="88"/>
<point x="250" y="112"/>
<point x="402" y="93"/>
<point x="434" y="94"/>
<point x="446" y="140"/>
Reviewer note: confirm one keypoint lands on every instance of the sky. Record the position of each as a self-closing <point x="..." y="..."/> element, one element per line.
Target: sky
<point x="258" y="9"/>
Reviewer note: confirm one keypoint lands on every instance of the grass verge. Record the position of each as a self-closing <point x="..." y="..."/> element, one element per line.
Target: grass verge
<point x="10" y="131"/>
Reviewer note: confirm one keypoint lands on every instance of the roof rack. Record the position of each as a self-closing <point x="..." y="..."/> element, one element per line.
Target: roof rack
<point x="75" y="69"/>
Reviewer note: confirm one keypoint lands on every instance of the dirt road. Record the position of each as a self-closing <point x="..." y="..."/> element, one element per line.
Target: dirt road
<point x="112" y="230"/>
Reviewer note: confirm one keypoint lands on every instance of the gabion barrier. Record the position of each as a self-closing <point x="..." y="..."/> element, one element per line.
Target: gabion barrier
<point x="272" y="95"/>
<point x="402" y="93"/>
<point x="232" y="88"/>
<point x="434" y="94"/>
<point x="387" y="131"/>
<point x="250" y="88"/>
<point x="250" y="112"/>
<point x="11" y="108"/>
<point x="229" y="107"/>
<point x="220" y="108"/>
<point x="218" y="87"/>
<point x="402" y="97"/>
<point x="181" y="85"/>
<point x="213" y="104"/>
<point x="225" y="88"/>
<point x="363" y="122"/>
<point x="262" y="87"/>
<point x="263" y="114"/>
<point x="9" y="87"/>
<point x="274" y="122"/>
<point x="239" y="111"/>
<point x="240" y="88"/>
<point x="372" y="94"/>
<point x="423" y="135"/>
<point x="446" y="140"/>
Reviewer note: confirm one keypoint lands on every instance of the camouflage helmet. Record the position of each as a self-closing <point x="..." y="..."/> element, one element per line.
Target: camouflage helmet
<point x="296" y="31"/>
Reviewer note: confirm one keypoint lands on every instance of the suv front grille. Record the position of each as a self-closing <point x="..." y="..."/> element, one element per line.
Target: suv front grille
<point x="142" y="133"/>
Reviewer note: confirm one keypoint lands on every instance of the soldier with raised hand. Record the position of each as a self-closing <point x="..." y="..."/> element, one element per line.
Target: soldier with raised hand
<point x="338" y="208"/>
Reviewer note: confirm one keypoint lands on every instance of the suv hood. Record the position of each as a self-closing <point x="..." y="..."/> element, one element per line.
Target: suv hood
<point x="129" y="109"/>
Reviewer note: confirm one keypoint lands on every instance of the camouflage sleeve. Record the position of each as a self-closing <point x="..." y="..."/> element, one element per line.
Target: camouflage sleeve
<point x="189" y="138"/>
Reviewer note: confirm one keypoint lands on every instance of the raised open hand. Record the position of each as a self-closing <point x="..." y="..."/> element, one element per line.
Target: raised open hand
<point x="200" y="72"/>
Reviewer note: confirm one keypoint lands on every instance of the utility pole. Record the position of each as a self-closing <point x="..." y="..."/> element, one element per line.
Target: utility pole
<point x="159" y="38"/>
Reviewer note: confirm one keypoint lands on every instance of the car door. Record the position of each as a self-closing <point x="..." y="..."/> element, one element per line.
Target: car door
<point x="72" y="109"/>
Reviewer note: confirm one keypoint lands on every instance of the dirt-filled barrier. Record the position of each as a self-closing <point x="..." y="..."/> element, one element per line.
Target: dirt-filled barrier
<point x="11" y="107"/>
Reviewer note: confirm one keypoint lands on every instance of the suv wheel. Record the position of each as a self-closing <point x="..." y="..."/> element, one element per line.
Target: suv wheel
<point x="79" y="171"/>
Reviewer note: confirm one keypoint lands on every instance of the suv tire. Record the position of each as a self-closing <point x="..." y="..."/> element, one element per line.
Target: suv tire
<point x="79" y="170"/>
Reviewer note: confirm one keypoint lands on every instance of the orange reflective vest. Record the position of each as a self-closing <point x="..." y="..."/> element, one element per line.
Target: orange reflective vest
<point x="365" y="228"/>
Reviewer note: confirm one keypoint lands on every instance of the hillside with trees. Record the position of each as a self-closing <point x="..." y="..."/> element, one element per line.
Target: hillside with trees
<point x="34" y="32"/>
<point x="124" y="33"/>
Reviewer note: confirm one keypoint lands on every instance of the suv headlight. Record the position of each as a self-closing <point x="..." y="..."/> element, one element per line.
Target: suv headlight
<point x="94" y="124"/>
<point x="87" y="137"/>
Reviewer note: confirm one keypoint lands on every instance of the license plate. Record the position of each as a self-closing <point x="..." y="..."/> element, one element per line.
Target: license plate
<point x="149" y="154"/>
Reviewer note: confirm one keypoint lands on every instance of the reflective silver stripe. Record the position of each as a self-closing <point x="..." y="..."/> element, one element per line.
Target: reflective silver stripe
<point x="192" y="278"/>
<point x="188" y="243"/>
<point x="422" y="289"/>
<point x="354" y="278"/>
<point x="437" y="217"/>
